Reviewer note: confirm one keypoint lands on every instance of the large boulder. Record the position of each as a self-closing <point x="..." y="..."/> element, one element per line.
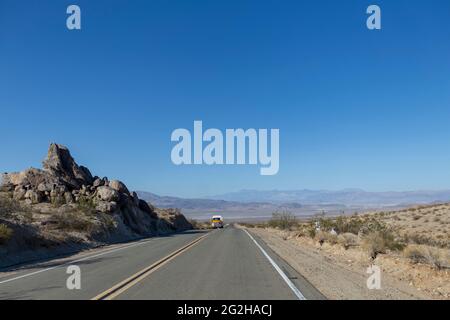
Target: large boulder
<point x="98" y="182"/>
<point x="5" y="184"/>
<point x="135" y="199"/>
<point x="106" y="207"/>
<point x="68" y="197"/>
<point x="46" y="187"/>
<point x="19" y="193"/>
<point x="119" y="186"/>
<point x="144" y="206"/>
<point x="60" y="163"/>
<point x="32" y="178"/>
<point x="33" y="196"/>
<point x="107" y="194"/>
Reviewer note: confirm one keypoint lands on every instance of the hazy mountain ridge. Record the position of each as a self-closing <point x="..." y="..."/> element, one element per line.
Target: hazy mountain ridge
<point x="254" y="204"/>
<point x="347" y="197"/>
<point x="204" y="208"/>
<point x="196" y="203"/>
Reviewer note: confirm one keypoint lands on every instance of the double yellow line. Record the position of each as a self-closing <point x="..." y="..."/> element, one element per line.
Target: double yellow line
<point x="140" y="275"/>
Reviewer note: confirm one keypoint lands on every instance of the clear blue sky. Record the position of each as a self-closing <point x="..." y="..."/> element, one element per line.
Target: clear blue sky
<point x="355" y="108"/>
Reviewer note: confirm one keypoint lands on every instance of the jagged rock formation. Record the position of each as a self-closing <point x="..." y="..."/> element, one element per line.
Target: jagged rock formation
<point x="60" y="163"/>
<point x="63" y="182"/>
<point x="174" y="216"/>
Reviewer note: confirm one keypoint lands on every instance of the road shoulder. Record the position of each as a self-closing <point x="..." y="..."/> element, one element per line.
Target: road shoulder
<point x="334" y="278"/>
<point x="301" y="283"/>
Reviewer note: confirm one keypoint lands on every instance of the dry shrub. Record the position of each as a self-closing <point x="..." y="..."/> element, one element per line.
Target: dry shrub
<point x="105" y="220"/>
<point x="301" y="232"/>
<point x="86" y="205"/>
<point x="5" y="234"/>
<point x="378" y="242"/>
<point x="73" y="221"/>
<point x="204" y="225"/>
<point x="354" y="224"/>
<point x="332" y="238"/>
<point x="416" y="253"/>
<point x="347" y="240"/>
<point x="348" y="224"/>
<point x="438" y="258"/>
<point x="323" y="236"/>
<point x="194" y="223"/>
<point x="320" y="236"/>
<point x="374" y="244"/>
<point x="9" y="206"/>
<point x="283" y="220"/>
<point x="310" y="230"/>
<point x="425" y="239"/>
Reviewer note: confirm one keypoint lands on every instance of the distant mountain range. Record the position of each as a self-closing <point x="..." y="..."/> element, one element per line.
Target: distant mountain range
<point x="257" y="204"/>
<point x="186" y="203"/>
<point x="347" y="197"/>
<point x="203" y="208"/>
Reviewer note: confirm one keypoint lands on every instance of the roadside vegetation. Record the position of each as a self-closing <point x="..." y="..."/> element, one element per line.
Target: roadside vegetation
<point x="199" y="225"/>
<point x="5" y="234"/>
<point x="72" y="221"/>
<point x="436" y="257"/>
<point x="34" y="225"/>
<point x="282" y="220"/>
<point x="8" y="206"/>
<point x="375" y="234"/>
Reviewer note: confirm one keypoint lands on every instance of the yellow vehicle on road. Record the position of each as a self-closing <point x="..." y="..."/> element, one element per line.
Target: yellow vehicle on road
<point x="217" y="221"/>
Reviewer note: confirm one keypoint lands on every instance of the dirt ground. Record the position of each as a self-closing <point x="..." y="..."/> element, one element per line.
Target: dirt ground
<point x="342" y="274"/>
<point x="429" y="224"/>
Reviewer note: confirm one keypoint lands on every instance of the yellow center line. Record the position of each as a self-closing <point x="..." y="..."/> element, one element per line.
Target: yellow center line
<point x="140" y="275"/>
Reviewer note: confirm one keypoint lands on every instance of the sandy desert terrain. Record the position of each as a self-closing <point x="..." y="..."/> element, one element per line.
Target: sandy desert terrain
<point x="411" y="247"/>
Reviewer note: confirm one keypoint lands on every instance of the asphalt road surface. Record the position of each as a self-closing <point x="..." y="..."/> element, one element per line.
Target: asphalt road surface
<point x="228" y="264"/>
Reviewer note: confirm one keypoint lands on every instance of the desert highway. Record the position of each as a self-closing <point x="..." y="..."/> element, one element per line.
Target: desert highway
<point x="229" y="264"/>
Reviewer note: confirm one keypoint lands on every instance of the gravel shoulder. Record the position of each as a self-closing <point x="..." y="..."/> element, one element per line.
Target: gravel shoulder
<point x="341" y="274"/>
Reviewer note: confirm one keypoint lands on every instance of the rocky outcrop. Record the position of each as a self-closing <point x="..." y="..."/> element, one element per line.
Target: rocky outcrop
<point x="175" y="218"/>
<point x="107" y="194"/>
<point x="59" y="163"/>
<point x="63" y="182"/>
<point x="119" y="186"/>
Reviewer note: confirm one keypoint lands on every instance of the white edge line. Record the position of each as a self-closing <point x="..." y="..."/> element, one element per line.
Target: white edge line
<point x="74" y="261"/>
<point x="294" y="289"/>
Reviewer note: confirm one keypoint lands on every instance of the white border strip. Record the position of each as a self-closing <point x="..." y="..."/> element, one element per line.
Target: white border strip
<point x="294" y="289"/>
